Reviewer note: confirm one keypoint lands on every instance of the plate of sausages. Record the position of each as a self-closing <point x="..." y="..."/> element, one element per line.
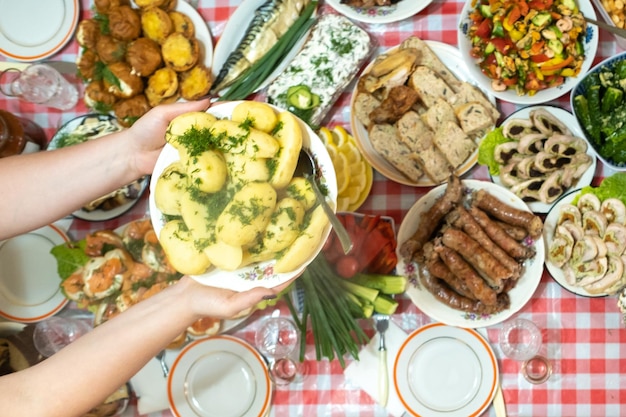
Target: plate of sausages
<point x="472" y="251"/>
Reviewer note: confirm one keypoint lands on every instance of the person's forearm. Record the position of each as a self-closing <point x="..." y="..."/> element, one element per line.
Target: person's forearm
<point x="84" y="373"/>
<point x="43" y="187"/>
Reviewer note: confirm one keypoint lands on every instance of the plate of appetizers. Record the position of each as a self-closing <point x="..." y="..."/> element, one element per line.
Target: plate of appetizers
<point x="246" y="38"/>
<point x="585" y="237"/>
<point x="446" y="140"/>
<point x="428" y="265"/>
<point x="90" y="127"/>
<point x="547" y="73"/>
<point x="539" y="154"/>
<point x="394" y="11"/>
<point x="223" y="221"/>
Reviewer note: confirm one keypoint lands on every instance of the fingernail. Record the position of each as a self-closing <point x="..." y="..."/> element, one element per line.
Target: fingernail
<point x="269" y="297"/>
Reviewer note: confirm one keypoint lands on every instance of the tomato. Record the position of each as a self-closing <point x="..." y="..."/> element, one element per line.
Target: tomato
<point x="502" y="45"/>
<point x="347" y="266"/>
<point x="484" y="29"/>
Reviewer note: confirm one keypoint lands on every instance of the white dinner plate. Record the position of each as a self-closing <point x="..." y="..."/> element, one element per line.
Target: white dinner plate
<point x="437" y="310"/>
<point x="219" y="376"/>
<point x="262" y="273"/>
<point x="385" y="14"/>
<point x="549" y="227"/>
<point x="97" y="215"/>
<point x="31" y="30"/>
<point x="29" y="283"/>
<point x="233" y="33"/>
<point x="444" y="371"/>
<point x="590" y="45"/>
<point x="451" y="58"/>
<point x="570" y="121"/>
<point x="203" y="34"/>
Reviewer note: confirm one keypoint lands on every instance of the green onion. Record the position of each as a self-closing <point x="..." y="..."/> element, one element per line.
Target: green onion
<point x="331" y="312"/>
<point x="252" y="78"/>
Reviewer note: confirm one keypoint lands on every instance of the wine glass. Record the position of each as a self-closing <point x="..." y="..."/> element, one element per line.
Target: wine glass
<point x="520" y="339"/>
<point x="55" y="333"/>
<point x="277" y="339"/>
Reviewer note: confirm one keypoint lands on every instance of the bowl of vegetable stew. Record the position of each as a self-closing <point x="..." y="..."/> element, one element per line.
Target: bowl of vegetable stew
<point x="527" y="52"/>
<point x="599" y="104"/>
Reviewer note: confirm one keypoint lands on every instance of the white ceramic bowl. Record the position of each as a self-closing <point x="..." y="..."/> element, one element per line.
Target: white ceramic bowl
<point x="590" y="43"/>
<point x="581" y="88"/>
<point x="262" y="273"/>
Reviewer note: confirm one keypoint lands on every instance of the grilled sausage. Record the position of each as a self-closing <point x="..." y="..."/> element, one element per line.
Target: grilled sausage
<point x="508" y="214"/>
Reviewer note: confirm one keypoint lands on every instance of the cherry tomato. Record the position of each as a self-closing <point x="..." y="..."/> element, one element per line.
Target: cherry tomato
<point x="347" y="266"/>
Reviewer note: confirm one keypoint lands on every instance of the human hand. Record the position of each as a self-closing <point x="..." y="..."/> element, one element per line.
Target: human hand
<point x="222" y="303"/>
<point x="147" y="135"/>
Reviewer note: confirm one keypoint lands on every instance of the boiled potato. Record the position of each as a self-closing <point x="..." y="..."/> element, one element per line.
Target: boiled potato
<point x="306" y="243"/>
<point x="242" y="168"/>
<point x="250" y="141"/>
<point x="207" y="171"/>
<point x="196" y="214"/>
<point x="289" y="137"/>
<point x="284" y="226"/>
<point x="184" y="123"/>
<point x="256" y="253"/>
<point x="170" y="188"/>
<point x="247" y="214"/>
<point x="262" y="116"/>
<point x="224" y="256"/>
<point x="181" y="250"/>
<point x="300" y="188"/>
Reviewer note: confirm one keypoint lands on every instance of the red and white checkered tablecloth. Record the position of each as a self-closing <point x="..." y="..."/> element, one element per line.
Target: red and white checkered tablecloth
<point x="583" y="337"/>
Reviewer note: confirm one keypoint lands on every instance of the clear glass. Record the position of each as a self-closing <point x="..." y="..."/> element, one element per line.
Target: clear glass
<point x="55" y="333"/>
<point x="520" y="339"/>
<point x="41" y="84"/>
<point x="537" y="369"/>
<point x="277" y="339"/>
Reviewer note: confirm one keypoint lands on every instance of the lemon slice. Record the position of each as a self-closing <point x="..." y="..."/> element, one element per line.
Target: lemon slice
<point x="340" y="136"/>
<point x="354" y="173"/>
<point x="342" y="170"/>
<point x="326" y="136"/>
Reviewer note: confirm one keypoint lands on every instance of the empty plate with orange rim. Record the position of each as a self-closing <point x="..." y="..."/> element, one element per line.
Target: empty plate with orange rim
<point x="220" y="376"/>
<point x="31" y="30"/>
<point x="445" y="371"/>
<point x="29" y="283"/>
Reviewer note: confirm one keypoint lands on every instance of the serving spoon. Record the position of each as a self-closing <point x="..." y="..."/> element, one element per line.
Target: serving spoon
<point x="306" y="168"/>
<point x="613" y="29"/>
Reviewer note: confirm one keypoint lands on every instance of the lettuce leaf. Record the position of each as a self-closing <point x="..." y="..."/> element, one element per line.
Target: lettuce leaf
<point x="70" y="257"/>
<point x="487" y="148"/>
<point x="611" y="187"/>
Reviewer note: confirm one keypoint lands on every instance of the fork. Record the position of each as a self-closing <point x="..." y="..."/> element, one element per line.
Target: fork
<point x="382" y="324"/>
<point x="161" y="358"/>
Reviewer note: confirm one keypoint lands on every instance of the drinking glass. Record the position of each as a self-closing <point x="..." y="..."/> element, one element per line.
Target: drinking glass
<point x="55" y="333"/>
<point x="40" y="84"/>
<point x="277" y="339"/>
<point x="520" y="339"/>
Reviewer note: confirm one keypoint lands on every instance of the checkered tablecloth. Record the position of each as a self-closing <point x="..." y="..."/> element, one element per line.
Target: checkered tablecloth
<point x="583" y="337"/>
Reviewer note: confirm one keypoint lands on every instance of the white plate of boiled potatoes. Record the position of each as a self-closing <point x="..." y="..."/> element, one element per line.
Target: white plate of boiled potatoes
<point x="224" y="201"/>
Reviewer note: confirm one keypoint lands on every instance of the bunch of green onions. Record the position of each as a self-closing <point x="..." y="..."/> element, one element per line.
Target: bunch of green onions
<point x="331" y="312"/>
<point x="248" y="82"/>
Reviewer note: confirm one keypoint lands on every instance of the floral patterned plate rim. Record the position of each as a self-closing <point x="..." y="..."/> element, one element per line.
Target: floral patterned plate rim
<point x="435" y="309"/>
